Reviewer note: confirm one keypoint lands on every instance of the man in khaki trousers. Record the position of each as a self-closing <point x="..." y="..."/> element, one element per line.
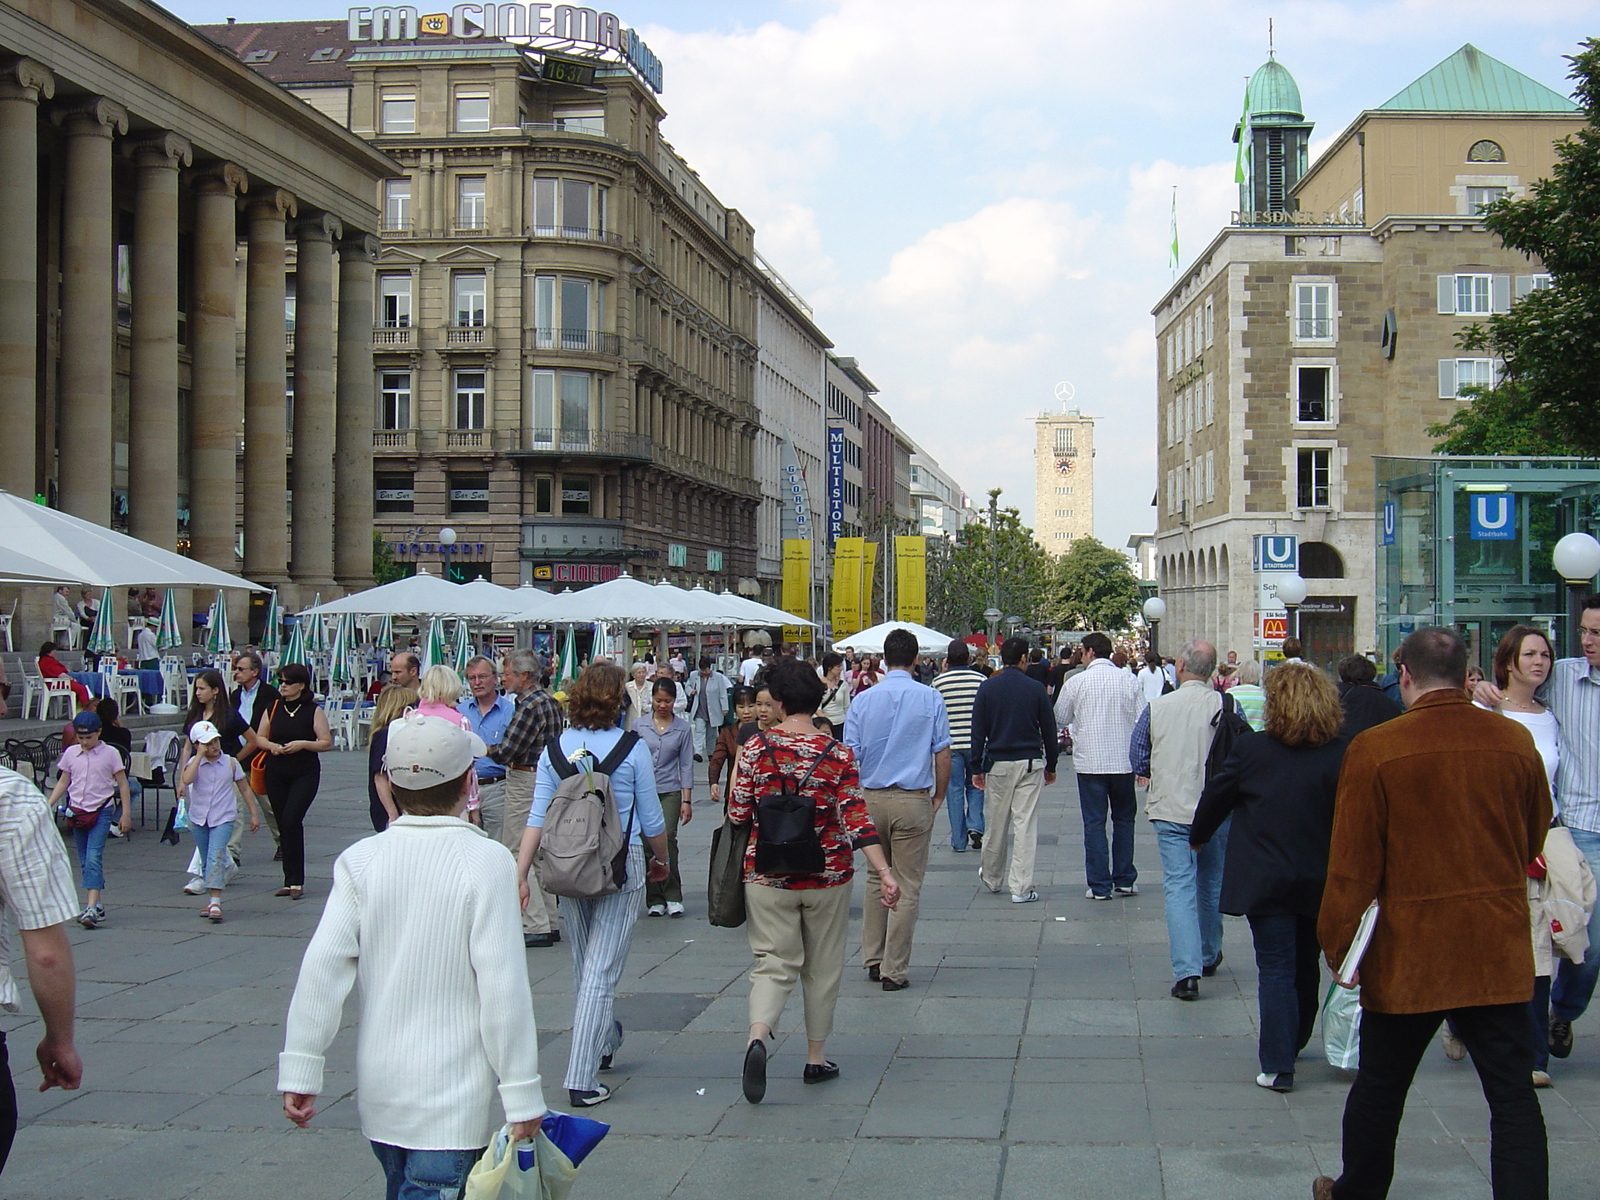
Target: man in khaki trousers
<point x="900" y="733"/>
<point x="537" y="721"/>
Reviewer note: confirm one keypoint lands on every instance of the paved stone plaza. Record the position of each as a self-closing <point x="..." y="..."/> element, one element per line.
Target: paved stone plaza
<point x="1036" y="1055"/>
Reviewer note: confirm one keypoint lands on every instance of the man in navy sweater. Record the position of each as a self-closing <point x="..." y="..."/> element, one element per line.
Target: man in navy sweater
<point x="1014" y="754"/>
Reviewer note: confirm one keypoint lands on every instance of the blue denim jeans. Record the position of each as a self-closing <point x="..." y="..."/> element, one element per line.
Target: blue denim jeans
<point x="211" y="841"/>
<point x="91" y="845"/>
<point x="1289" y="978"/>
<point x="1193" y="886"/>
<point x="424" y="1174"/>
<point x="963" y="801"/>
<point x="1099" y="796"/>
<point x="1573" y="985"/>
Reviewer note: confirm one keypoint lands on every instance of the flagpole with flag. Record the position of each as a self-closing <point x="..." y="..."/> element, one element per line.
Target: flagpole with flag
<point x="1174" y="256"/>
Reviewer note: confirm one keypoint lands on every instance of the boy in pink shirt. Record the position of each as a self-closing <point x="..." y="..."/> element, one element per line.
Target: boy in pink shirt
<point x="91" y="774"/>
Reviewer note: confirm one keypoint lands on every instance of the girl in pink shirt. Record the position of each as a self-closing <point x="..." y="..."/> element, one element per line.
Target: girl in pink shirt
<point x="92" y="777"/>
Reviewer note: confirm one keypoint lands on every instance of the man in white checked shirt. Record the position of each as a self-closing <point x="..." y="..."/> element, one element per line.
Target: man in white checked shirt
<point x="1101" y="704"/>
<point x="37" y="894"/>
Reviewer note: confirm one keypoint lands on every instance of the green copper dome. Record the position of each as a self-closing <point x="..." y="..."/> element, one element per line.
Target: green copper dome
<point x="1273" y="94"/>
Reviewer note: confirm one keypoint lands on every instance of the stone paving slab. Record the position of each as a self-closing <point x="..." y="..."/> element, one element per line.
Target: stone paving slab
<point x="1036" y="1056"/>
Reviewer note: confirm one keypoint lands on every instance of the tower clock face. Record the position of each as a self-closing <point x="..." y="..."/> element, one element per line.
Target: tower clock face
<point x="1064" y="466"/>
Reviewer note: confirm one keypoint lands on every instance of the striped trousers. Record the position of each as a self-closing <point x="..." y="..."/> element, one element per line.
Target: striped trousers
<point x="600" y="932"/>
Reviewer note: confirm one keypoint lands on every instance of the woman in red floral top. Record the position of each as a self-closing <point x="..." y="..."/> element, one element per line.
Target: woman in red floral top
<point x="797" y="923"/>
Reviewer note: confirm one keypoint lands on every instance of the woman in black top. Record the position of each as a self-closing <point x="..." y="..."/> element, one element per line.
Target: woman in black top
<point x="1279" y="787"/>
<point x="392" y="704"/>
<point x="293" y="732"/>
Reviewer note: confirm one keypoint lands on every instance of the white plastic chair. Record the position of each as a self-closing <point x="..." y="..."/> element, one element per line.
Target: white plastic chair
<point x="176" y="680"/>
<point x="5" y="627"/>
<point x="119" y="685"/>
<point x="53" y="690"/>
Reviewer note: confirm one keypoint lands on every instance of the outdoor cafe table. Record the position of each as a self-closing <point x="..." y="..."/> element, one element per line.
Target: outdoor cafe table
<point x="150" y="682"/>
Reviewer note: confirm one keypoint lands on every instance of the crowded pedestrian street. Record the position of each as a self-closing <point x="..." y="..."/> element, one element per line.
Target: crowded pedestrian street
<point x="1036" y="1054"/>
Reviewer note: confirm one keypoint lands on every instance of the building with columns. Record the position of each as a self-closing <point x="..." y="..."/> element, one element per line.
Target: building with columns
<point x="140" y="166"/>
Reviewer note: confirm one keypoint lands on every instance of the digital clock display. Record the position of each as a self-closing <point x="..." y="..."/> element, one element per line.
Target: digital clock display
<point x="567" y="70"/>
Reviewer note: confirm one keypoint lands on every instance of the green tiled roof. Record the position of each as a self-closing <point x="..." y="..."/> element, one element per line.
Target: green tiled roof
<point x="1471" y="81"/>
<point x="1273" y="93"/>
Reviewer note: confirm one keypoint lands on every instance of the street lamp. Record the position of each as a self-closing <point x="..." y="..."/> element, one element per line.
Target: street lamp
<point x="992" y="616"/>
<point x="1577" y="560"/>
<point x="1292" y="591"/>
<point x="1155" y="609"/>
<point x="447" y="538"/>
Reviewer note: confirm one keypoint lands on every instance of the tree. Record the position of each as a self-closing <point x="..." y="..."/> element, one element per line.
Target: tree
<point x="384" y="567"/>
<point x="1093" y="587"/>
<point x="1545" y="401"/>
<point x="961" y="574"/>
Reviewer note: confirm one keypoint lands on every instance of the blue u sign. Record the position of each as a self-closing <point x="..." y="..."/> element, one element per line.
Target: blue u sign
<point x="1277" y="552"/>
<point x="1494" y="518"/>
<point x="1388" y="523"/>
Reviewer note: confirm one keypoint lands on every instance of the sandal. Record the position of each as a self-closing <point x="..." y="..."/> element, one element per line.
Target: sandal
<point x="294" y="893"/>
<point x="214" y="913"/>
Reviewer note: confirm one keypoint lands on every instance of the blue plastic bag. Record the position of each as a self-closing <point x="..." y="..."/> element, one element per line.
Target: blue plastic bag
<point x="1341" y="1027"/>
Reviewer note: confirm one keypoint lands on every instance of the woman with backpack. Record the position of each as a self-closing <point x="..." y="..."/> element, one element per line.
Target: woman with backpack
<point x="599" y="929"/>
<point x="797" y="870"/>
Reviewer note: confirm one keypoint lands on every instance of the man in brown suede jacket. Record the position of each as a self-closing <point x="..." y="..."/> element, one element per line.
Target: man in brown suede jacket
<point x="1439" y="813"/>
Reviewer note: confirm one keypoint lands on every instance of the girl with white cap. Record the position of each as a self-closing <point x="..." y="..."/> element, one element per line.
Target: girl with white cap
<point x="214" y="783"/>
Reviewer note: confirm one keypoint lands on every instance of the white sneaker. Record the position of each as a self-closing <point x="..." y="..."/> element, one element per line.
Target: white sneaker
<point x="1131" y="890"/>
<point x="674" y="909"/>
<point x="195" y="886"/>
<point x="658" y="910"/>
<point x="1024" y="898"/>
<point x="1091" y="894"/>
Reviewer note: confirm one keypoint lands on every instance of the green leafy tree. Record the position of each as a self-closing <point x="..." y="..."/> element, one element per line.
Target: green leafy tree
<point x="1545" y="402"/>
<point x="961" y="574"/>
<point x="384" y="567"/>
<point x="1093" y="587"/>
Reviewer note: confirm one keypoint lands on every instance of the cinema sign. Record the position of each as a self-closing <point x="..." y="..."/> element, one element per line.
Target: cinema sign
<point x="565" y="23"/>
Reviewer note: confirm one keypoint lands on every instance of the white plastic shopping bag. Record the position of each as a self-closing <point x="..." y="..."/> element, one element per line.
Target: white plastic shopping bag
<point x="496" y="1176"/>
<point x="1341" y="1027"/>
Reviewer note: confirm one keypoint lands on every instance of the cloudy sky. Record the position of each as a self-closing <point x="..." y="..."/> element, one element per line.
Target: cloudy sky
<point x="976" y="197"/>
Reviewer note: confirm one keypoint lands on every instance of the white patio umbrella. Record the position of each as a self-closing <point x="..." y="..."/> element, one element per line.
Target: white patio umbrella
<point x="272" y="632"/>
<point x="39" y="543"/>
<point x="169" y="633"/>
<point x="219" y="638"/>
<point x="753" y="612"/>
<point x="870" y="641"/>
<point x="433" y="649"/>
<point x="623" y="601"/>
<point x="419" y="595"/>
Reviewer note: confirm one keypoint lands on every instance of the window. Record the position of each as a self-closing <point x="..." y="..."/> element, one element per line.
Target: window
<point x="1314" y="488"/>
<point x="472" y="400"/>
<point x="1064" y="440"/>
<point x="398" y="114"/>
<point x="1312" y="393"/>
<point x="469" y="492"/>
<point x="543" y="494"/>
<point x="571" y="208"/>
<point x="471" y="192"/>
<point x="471" y="290"/>
<point x="1061" y="537"/>
<point x="1211" y="322"/>
<point x="575" y="492"/>
<point x="289" y="288"/>
<point x="1063" y="491"/>
<point x="472" y="112"/>
<point x="1211" y="398"/>
<point x="1313" y="312"/>
<point x="1318" y="560"/>
<point x="1211" y="474"/>
<point x="394" y="399"/>
<point x="1486" y="151"/>
<point x="1458" y="373"/>
<point x="563" y="404"/>
<point x="581" y="119"/>
<point x="1531" y="283"/>
<point x="392" y="492"/>
<point x="394" y="301"/>
<point x="1063" y="512"/>
<point x="1479" y="198"/>
<point x="1474" y="293"/>
<point x="397" y="204"/>
<point x="565" y="312"/>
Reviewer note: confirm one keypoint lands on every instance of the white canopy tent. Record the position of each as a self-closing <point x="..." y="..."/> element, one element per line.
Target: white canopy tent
<point x="44" y="545"/>
<point x="623" y="602"/>
<point x="870" y="641"/>
<point x="421" y="595"/>
<point x="753" y="612"/>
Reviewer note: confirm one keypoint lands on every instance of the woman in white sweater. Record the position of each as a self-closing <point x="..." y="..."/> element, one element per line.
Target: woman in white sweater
<point x="426" y="916"/>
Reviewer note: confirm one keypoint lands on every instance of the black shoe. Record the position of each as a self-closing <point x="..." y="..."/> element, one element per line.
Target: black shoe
<point x="538" y="941"/>
<point x="821" y="1072"/>
<point x="874" y="974"/>
<point x="589" y="1099"/>
<point x="699" y="758"/>
<point x="1210" y="968"/>
<point x="755" y="1071"/>
<point x="278" y="857"/>
<point x="1187" y="988"/>
<point x="555" y="935"/>
<point x="1283" y="1081"/>
<point x="975" y="838"/>
<point x="1560" y="1038"/>
<point x="605" y="1059"/>
<point x="889" y="985"/>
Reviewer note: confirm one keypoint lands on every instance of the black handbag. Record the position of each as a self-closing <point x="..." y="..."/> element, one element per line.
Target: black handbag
<point x="725" y="888"/>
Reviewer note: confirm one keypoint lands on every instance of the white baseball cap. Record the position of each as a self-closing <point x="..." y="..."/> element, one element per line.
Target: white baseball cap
<point x="203" y="732"/>
<point x="424" y="751"/>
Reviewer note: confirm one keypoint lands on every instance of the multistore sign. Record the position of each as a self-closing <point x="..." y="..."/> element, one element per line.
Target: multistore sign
<point x="835" y="483"/>
<point x="565" y="23"/>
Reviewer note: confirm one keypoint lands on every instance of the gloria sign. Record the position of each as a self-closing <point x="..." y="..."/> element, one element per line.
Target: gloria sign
<point x="564" y="23"/>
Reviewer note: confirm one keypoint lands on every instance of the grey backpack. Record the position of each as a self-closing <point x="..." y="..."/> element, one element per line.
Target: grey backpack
<point x="583" y="849"/>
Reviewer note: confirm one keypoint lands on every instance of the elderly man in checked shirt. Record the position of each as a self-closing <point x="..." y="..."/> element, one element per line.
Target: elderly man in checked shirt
<point x="537" y="721"/>
<point x="1101" y="704"/>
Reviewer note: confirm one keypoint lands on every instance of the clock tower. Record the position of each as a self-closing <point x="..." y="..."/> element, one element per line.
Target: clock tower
<point x="1063" y="489"/>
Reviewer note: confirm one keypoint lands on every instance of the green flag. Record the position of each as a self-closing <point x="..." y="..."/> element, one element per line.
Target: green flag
<point x="1175" y="258"/>
<point x="1242" y="155"/>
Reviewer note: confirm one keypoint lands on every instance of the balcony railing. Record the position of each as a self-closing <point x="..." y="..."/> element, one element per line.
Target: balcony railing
<point x="466" y="335"/>
<point x="395" y="337"/>
<point x="574" y="233"/>
<point x="397" y="226"/>
<point x="601" y="442"/>
<point x="468" y="439"/>
<point x="394" y="439"/>
<point x="578" y="341"/>
<point x="535" y="128"/>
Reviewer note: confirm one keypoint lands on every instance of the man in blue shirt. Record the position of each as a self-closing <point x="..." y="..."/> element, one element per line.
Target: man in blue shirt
<point x="489" y="713"/>
<point x="900" y="733"/>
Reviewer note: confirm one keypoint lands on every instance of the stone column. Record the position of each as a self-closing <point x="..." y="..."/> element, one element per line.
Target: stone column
<point x="266" y="480"/>
<point x="88" y="313"/>
<point x="311" y="538"/>
<point x="153" y="362"/>
<point x="355" y="419"/>
<point x="213" y="325"/>
<point x="23" y="83"/>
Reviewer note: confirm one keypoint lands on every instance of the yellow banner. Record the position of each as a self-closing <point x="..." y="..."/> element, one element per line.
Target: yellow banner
<point x="847" y="555"/>
<point x="911" y="579"/>
<point x="869" y="576"/>
<point x="796" y="586"/>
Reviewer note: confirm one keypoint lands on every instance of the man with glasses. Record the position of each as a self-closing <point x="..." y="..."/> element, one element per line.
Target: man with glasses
<point x="488" y="712"/>
<point x="1572" y="693"/>
<point x="252" y="698"/>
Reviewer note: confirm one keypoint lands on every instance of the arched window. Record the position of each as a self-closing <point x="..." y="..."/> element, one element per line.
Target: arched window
<point x="1486" y="151"/>
<point x="1318" y="560"/>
